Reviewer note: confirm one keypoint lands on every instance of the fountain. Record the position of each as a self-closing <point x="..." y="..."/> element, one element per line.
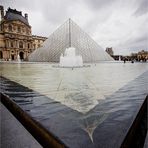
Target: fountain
<point x="18" y="58"/>
<point x="119" y="58"/>
<point x="70" y="59"/>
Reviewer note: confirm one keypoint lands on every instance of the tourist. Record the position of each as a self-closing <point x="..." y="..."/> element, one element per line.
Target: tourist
<point x="124" y="60"/>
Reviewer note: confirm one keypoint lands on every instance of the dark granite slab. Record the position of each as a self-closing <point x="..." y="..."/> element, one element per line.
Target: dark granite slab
<point x="105" y="126"/>
<point x="10" y="126"/>
<point x="146" y="142"/>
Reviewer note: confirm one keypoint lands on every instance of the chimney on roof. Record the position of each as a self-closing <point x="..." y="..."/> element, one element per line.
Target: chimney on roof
<point x="2" y="12"/>
<point x="26" y="16"/>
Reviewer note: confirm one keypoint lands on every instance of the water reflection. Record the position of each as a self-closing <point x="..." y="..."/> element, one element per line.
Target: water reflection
<point x="90" y="121"/>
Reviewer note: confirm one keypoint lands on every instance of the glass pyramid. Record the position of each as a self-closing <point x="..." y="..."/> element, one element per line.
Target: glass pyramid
<point x="69" y="35"/>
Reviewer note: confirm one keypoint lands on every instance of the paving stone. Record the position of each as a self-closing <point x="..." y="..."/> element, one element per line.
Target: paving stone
<point x="13" y="134"/>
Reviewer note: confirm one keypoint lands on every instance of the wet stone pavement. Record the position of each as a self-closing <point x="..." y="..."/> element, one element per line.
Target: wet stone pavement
<point x="13" y="134"/>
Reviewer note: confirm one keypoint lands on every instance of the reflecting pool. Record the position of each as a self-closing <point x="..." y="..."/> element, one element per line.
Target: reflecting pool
<point x="80" y="88"/>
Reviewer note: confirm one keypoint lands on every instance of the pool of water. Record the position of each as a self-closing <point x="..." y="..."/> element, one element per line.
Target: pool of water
<point x="81" y="88"/>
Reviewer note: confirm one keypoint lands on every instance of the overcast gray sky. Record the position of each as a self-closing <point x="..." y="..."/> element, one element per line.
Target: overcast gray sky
<point x="121" y="24"/>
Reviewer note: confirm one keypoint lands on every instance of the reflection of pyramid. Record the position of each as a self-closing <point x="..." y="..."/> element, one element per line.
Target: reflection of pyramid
<point x="69" y="35"/>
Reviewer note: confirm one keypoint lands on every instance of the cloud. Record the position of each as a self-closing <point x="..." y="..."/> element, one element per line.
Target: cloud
<point x="114" y="23"/>
<point x="142" y="8"/>
<point x="100" y="4"/>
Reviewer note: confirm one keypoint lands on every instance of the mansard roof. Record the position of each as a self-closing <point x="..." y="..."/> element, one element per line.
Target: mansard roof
<point x="13" y="14"/>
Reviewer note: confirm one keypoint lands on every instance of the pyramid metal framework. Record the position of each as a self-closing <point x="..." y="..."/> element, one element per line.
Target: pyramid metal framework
<point x="69" y="35"/>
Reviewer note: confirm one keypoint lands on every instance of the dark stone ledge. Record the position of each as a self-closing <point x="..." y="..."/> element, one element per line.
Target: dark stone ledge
<point x="45" y="138"/>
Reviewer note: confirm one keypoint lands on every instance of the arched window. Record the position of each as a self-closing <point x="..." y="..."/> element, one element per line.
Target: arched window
<point x="21" y="54"/>
<point x="20" y="44"/>
<point x="12" y="57"/>
<point x="10" y="28"/>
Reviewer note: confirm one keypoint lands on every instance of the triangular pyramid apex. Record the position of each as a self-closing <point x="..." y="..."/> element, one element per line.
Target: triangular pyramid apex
<point x="70" y="20"/>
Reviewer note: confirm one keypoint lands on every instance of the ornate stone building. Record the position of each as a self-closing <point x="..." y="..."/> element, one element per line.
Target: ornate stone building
<point x="109" y="50"/>
<point x="16" y="37"/>
<point x="140" y="56"/>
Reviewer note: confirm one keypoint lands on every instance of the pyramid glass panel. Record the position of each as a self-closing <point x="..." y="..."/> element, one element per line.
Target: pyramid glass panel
<point x="69" y="35"/>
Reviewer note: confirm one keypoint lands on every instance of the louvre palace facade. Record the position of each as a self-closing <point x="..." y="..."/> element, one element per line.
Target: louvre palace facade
<point x="16" y="36"/>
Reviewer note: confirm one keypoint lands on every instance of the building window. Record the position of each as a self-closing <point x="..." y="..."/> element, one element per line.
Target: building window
<point x="20" y="44"/>
<point x="28" y="45"/>
<point x="1" y="54"/>
<point x="19" y="29"/>
<point x="27" y="32"/>
<point x="21" y="54"/>
<point x="23" y="30"/>
<point x="10" y="28"/>
<point x="12" y="57"/>
<point x="11" y="44"/>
